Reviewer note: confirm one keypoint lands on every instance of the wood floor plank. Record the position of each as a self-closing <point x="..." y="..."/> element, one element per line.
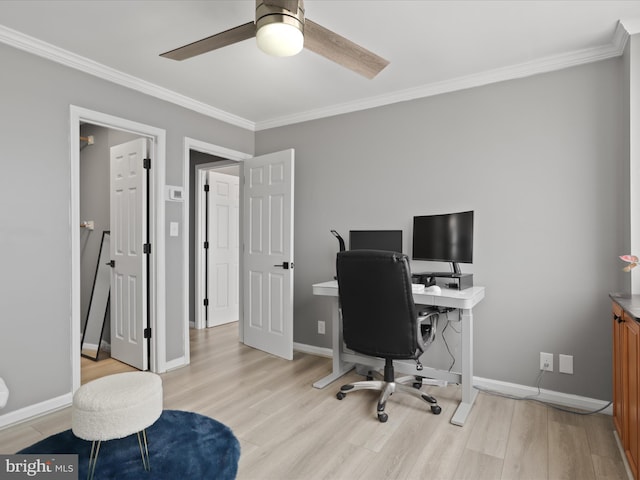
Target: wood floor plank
<point x="478" y="466"/>
<point x="526" y="457"/>
<point x="442" y="450"/>
<point x="607" y="468"/>
<point x="491" y="430"/>
<point x="16" y="438"/>
<point x="569" y="456"/>
<point x="599" y="429"/>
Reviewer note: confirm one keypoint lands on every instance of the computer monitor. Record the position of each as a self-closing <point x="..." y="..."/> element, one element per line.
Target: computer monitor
<point x="444" y="238"/>
<point x="390" y="240"/>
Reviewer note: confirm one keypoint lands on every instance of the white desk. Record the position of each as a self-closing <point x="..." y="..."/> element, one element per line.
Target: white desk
<point x="344" y="360"/>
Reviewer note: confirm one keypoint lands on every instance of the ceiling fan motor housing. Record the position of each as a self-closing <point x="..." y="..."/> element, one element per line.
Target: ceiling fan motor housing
<point x="273" y="11"/>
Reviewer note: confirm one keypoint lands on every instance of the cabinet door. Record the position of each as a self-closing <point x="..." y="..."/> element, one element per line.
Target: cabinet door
<point x="618" y="330"/>
<point x="631" y="384"/>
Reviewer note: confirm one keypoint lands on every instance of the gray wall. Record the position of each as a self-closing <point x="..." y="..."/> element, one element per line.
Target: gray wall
<point x="541" y="160"/>
<point x="35" y="229"/>
<point x="632" y="104"/>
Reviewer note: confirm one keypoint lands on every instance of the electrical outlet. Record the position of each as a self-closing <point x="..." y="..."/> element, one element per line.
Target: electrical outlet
<point x="321" y="327"/>
<point x="565" y="364"/>
<point x="546" y="361"/>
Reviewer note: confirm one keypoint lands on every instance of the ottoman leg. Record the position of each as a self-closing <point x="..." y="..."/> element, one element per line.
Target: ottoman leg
<point x="93" y="458"/>
<point x="144" y="450"/>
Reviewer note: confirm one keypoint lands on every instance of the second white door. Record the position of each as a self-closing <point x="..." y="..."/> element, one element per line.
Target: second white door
<point x="224" y="252"/>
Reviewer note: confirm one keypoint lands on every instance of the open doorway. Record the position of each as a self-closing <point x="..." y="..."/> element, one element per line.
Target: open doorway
<point x="200" y="158"/>
<point x="155" y="273"/>
<point x="215" y="241"/>
<point x="95" y="171"/>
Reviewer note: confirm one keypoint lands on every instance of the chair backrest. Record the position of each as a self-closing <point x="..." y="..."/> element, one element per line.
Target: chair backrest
<point x="378" y="314"/>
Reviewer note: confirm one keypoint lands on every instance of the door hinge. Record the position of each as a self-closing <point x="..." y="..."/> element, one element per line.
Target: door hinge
<point x="147" y="332"/>
<point x="206" y="245"/>
<point x="206" y="187"/>
<point x="146" y="248"/>
<point x="206" y="302"/>
<point x="146" y="163"/>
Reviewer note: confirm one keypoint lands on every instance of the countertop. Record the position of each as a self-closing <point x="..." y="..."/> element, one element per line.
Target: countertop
<point x="630" y="303"/>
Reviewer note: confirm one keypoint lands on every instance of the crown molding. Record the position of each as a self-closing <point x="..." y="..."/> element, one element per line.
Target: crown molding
<point x="544" y="65"/>
<point x="51" y="52"/>
<point x="631" y="25"/>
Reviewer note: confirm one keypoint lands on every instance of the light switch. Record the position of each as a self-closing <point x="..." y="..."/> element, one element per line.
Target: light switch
<point x="174" y="229"/>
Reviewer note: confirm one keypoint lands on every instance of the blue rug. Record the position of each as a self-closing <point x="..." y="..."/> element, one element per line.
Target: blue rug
<point x="182" y="445"/>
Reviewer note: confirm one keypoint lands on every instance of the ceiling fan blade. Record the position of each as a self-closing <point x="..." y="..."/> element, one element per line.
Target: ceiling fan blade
<point x="219" y="40"/>
<point x="342" y="51"/>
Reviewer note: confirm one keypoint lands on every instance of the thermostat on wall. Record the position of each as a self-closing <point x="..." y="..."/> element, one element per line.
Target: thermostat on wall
<point x="175" y="194"/>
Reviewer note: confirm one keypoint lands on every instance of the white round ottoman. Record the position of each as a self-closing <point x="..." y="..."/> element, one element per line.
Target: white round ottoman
<point x="117" y="406"/>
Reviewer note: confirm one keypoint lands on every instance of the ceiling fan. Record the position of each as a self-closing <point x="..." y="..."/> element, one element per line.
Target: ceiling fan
<point x="281" y="29"/>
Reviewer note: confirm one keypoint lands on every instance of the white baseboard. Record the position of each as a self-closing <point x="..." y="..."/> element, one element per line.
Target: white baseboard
<point x="32" y="411"/>
<point x="313" y="350"/>
<point x="173" y="364"/>
<point x="547" y="396"/>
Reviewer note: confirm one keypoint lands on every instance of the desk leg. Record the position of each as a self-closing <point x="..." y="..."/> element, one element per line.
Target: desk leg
<point x="468" y="392"/>
<point x="340" y="367"/>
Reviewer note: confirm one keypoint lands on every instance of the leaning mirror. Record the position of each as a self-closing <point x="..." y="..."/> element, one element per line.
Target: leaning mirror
<point x="99" y="303"/>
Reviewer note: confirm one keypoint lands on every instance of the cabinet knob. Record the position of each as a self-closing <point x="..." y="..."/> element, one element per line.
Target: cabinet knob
<point x="618" y="318"/>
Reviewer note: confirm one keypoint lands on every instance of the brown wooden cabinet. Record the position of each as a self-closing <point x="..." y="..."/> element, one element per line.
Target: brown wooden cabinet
<point x="626" y="384"/>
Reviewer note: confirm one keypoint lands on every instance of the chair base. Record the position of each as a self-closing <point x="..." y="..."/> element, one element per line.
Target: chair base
<point x="388" y="388"/>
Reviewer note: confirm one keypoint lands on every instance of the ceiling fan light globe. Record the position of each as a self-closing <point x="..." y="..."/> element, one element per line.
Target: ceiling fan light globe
<point x="280" y="39"/>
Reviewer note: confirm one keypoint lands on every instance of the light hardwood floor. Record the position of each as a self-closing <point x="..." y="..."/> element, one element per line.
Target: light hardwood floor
<point x="290" y="430"/>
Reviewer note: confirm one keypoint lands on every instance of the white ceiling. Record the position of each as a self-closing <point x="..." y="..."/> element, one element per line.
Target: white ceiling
<point x="433" y="47"/>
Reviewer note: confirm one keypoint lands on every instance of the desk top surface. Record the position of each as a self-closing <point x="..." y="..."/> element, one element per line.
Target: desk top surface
<point x="448" y="297"/>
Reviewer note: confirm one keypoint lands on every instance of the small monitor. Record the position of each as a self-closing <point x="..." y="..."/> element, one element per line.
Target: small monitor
<point x="444" y="238"/>
<point x="390" y="240"/>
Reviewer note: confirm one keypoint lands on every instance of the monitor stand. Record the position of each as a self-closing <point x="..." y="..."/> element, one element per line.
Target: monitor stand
<point x="456" y="272"/>
<point x="456" y="280"/>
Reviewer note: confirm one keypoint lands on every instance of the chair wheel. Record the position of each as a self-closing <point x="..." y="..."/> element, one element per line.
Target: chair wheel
<point x="369" y="378"/>
<point x="436" y="409"/>
<point x="383" y="417"/>
<point x="340" y="395"/>
<point x="417" y="385"/>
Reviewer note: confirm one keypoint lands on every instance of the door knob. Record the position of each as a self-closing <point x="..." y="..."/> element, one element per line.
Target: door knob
<point x="284" y="265"/>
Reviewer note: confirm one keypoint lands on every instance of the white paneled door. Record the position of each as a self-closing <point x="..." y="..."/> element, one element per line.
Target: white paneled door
<point x="268" y="253"/>
<point x="128" y="279"/>
<point x="224" y="256"/>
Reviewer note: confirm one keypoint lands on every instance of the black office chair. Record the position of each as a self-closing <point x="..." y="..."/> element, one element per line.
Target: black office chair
<point x="380" y="319"/>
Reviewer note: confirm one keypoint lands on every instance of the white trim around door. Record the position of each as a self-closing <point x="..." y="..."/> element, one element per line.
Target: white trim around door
<point x="218" y="151"/>
<point x="157" y="239"/>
